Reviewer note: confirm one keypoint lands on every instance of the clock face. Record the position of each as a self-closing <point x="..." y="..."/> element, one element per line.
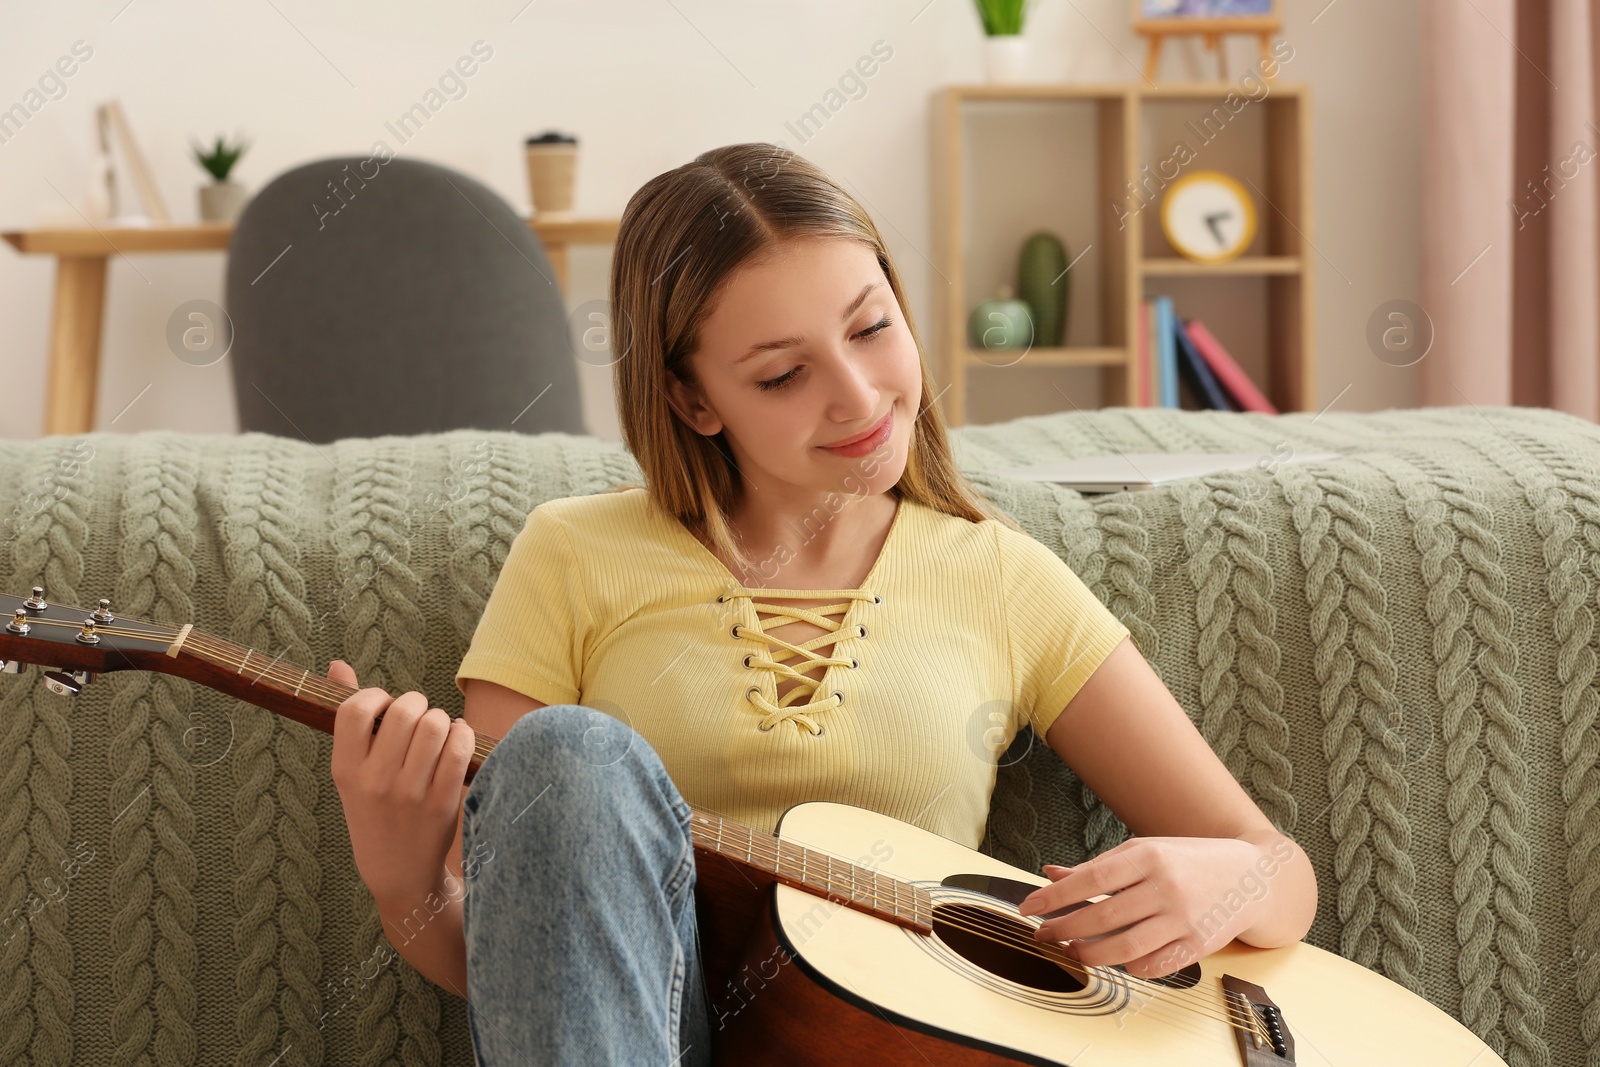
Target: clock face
<point x="1208" y="217"/>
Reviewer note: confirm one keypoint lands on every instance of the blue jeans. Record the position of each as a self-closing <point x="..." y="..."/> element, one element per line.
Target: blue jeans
<point x="582" y="944"/>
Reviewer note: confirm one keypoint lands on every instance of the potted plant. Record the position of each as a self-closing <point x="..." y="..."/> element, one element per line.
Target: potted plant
<point x="1005" y="49"/>
<point x="222" y="200"/>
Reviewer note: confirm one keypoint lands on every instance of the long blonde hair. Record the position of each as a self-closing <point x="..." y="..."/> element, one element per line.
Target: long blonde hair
<point x="683" y="234"/>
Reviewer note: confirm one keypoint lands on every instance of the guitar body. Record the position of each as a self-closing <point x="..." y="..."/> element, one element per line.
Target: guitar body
<point x="820" y="983"/>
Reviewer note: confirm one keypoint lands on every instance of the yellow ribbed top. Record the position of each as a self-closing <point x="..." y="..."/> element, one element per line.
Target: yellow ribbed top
<point x="961" y="634"/>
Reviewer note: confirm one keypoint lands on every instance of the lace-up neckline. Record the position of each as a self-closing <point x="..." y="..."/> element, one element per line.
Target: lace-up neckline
<point x="791" y="659"/>
<point x="804" y="653"/>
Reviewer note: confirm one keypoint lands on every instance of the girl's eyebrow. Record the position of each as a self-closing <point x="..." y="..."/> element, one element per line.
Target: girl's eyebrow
<point x="789" y="342"/>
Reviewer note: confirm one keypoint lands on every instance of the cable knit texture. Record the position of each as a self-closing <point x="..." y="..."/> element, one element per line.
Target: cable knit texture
<point x="1395" y="654"/>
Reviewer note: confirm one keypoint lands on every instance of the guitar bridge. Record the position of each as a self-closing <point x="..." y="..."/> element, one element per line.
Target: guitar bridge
<point x="1258" y="1027"/>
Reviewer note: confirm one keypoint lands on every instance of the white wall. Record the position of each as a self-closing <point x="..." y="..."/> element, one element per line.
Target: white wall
<point x="646" y="85"/>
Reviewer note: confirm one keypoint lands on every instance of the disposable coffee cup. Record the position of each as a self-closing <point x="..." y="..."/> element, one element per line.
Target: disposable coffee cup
<point x="552" y="166"/>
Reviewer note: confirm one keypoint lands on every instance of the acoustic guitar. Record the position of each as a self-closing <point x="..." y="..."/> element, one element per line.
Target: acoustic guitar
<point x="850" y="937"/>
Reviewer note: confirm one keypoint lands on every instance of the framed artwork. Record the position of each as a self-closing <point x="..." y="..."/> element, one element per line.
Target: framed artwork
<point x="1205" y="9"/>
<point x="1210" y="20"/>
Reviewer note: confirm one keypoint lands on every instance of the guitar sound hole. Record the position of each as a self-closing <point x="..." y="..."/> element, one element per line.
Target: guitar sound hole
<point x="1004" y="947"/>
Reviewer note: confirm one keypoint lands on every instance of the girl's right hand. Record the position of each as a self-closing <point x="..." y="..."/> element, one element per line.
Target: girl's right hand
<point x="401" y="787"/>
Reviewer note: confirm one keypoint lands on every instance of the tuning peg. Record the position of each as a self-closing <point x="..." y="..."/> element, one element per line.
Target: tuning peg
<point x="64" y="683"/>
<point x="10" y="666"/>
<point x="87" y="636"/>
<point x="19" y="622"/>
<point x="36" y="601"/>
<point x="102" y="614"/>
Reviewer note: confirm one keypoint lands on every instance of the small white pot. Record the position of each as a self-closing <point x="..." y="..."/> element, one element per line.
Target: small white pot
<point x="221" y="201"/>
<point x="1005" y="57"/>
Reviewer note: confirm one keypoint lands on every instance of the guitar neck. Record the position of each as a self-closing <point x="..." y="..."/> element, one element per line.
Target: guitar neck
<point x="56" y="635"/>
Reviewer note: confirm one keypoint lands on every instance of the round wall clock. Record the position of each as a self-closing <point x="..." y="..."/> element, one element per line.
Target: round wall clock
<point x="1208" y="217"/>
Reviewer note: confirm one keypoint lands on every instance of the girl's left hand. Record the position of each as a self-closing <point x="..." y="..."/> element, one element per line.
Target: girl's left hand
<point x="1173" y="900"/>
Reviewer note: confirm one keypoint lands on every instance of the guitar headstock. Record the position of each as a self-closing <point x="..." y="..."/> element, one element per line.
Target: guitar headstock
<point x="80" y="643"/>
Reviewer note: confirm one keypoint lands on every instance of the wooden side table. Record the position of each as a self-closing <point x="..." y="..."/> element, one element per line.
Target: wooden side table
<point x="81" y="254"/>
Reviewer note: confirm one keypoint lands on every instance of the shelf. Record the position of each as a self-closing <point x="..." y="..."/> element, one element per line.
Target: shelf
<point x="1178" y="267"/>
<point x="1114" y="91"/>
<point x="1076" y="356"/>
<point x="1090" y="163"/>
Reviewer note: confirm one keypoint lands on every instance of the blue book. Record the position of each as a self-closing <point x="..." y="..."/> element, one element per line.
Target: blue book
<point x="1166" y="352"/>
<point x="1198" y="371"/>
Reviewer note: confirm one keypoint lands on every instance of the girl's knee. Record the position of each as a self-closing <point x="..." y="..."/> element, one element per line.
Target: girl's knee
<point x="573" y="749"/>
<point x="571" y="732"/>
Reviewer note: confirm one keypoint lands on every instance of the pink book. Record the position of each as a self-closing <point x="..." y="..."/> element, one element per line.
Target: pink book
<point x="1141" y="366"/>
<point x="1152" y="365"/>
<point x="1229" y="373"/>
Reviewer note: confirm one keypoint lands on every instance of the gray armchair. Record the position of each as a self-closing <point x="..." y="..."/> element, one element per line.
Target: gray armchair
<point x="377" y="297"/>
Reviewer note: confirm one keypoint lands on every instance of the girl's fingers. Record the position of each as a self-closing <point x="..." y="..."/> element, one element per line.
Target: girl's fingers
<point x="1108" y="872"/>
<point x="451" y="771"/>
<point x="341" y="672"/>
<point x="399" y="721"/>
<point x="1116" y="912"/>
<point x="1144" y="938"/>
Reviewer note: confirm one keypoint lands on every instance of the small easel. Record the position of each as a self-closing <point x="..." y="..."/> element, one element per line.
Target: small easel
<point x="1157" y="30"/>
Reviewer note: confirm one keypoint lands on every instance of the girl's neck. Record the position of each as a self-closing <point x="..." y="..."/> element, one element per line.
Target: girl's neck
<point x="835" y="548"/>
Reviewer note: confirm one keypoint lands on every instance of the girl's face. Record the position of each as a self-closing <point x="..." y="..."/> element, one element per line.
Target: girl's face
<point x="807" y="348"/>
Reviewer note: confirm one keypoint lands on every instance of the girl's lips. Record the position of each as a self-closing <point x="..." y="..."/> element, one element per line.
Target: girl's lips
<point x="870" y="440"/>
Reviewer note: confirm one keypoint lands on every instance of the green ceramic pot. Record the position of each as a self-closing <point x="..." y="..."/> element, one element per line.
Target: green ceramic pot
<point x="1001" y="323"/>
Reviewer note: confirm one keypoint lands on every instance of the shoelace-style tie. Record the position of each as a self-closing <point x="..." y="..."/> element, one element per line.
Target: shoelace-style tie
<point x="805" y="654"/>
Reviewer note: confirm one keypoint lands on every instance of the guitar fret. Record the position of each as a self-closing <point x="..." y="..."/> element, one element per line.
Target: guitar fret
<point x="837" y="879"/>
<point x="244" y="660"/>
<point x="789" y="859"/>
<point x="302" y="681"/>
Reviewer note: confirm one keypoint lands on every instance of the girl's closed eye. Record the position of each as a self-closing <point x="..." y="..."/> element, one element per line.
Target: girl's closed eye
<point x="868" y="334"/>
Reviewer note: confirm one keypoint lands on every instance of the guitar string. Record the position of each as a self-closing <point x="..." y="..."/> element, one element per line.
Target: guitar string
<point x="284" y="674"/>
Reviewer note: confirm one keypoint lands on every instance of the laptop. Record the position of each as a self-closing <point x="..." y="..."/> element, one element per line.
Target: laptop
<point x="1122" y="471"/>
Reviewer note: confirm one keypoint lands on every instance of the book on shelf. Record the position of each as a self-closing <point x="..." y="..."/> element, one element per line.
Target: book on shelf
<point x="1139" y="370"/>
<point x="1166" y="352"/>
<point x="1232" y="376"/>
<point x="1151" y="393"/>
<point x="1179" y="361"/>
<point x="1194" y="367"/>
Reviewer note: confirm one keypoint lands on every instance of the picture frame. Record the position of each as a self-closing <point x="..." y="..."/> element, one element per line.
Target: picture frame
<point x="1228" y="12"/>
<point x="1211" y="20"/>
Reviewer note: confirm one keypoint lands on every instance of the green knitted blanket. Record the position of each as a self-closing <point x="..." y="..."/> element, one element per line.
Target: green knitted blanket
<point x="1394" y="653"/>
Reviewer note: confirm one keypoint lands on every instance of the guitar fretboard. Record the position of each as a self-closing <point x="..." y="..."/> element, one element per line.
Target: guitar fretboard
<point x="839" y="880"/>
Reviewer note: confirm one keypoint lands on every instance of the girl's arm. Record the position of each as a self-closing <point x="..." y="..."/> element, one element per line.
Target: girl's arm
<point x="1206" y="864"/>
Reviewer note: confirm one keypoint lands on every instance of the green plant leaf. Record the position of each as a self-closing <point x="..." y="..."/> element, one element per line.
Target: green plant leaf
<point x="218" y="161"/>
<point x="1002" y="17"/>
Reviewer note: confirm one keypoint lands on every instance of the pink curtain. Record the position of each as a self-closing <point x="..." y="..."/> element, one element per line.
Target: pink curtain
<point x="1511" y="203"/>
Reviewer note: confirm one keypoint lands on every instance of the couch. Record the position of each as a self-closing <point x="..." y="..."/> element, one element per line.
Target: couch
<point x="1394" y="652"/>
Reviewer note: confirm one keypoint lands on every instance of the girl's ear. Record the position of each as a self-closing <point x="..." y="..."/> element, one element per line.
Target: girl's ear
<point x="686" y="401"/>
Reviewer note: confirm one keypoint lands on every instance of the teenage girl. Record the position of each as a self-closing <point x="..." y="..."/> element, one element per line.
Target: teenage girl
<point x="772" y="388"/>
